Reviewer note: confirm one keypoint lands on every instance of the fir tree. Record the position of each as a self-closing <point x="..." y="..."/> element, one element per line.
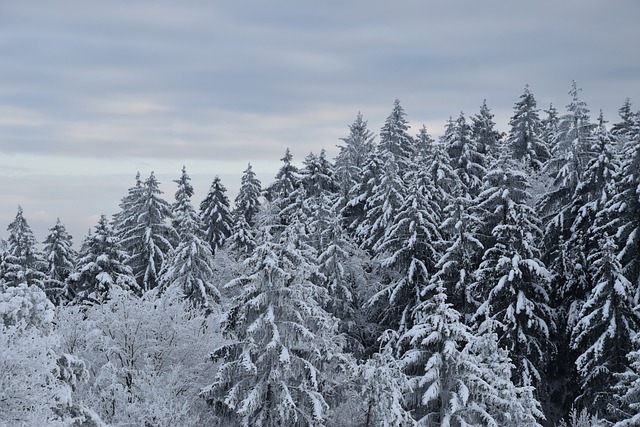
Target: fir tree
<point x="215" y="214"/>
<point x="247" y="202"/>
<point x="61" y="258"/>
<point x="512" y="281"/>
<point x="147" y="237"/>
<point x="388" y="187"/>
<point x="22" y="261"/>
<point x="608" y="322"/>
<point x="286" y="180"/>
<point x="624" y="128"/>
<point x="408" y="248"/>
<point x="189" y="270"/>
<point x="274" y="370"/>
<point x="628" y="389"/>
<point x="484" y="133"/>
<point x="468" y="163"/>
<point x="525" y="137"/>
<point x="102" y="264"/>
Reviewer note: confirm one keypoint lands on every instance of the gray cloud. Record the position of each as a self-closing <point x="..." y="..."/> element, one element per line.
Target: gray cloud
<point x="155" y="81"/>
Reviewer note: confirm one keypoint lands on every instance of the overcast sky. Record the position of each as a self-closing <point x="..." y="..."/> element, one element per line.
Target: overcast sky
<point x="93" y="91"/>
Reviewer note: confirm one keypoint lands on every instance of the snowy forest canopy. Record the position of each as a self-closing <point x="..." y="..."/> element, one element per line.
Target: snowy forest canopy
<point x="483" y="279"/>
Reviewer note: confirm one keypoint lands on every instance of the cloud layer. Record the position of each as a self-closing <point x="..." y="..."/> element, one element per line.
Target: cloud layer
<point x="230" y="81"/>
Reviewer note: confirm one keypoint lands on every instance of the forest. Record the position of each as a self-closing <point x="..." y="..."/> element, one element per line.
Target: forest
<point x="481" y="278"/>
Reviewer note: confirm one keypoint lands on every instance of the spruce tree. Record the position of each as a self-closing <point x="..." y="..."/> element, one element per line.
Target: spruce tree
<point x="188" y="271"/>
<point x="215" y="214"/>
<point x="388" y="187"/>
<point x="61" y="258"/>
<point x="277" y="367"/>
<point x="22" y="261"/>
<point x="102" y="265"/>
<point x="468" y="163"/>
<point x="146" y="235"/>
<point x="608" y="322"/>
<point x="628" y="389"/>
<point x="484" y="133"/>
<point x="512" y="281"/>
<point x="247" y="202"/>
<point x="525" y="137"/>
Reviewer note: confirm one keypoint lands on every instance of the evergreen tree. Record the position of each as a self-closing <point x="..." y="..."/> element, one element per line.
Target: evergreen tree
<point x="189" y="270"/>
<point x="628" y="389"/>
<point x="351" y="160"/>
<point x="286" y="180"/>
<point x="215" y="214"/>
<point x="624" y="128"/>
<point x="408" y="248"/>
<point x="102" y="265"/>
<point x="604" y="333"/>
<point x="184" y="193"/>
<point x="457" y="266"/>
<point x="484" y="133"/>
<point x="242" y="240"/>
<point x="387" y="186"/>
<point x="621" y="215"/>
<point x="512" y="281"/>
<point x="274" y="371"/>
<point x="525" y="136"/>
<point x="125" y="220"/>
<point x="424" y="146"/>
<point x="247" y="202"/>
<point x="22" y="261"/>
<point x="550" y="127"/>
<point x="468" y="163"/>
<point x="454" y="381"/>
<point x="147" y="236"/>
<point x="61" y="258"/>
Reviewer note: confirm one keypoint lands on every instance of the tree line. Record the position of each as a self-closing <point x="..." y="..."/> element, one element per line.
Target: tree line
<point x="481" y="279"/>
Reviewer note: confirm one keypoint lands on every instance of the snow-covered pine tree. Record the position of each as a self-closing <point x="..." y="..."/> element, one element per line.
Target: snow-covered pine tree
<point x="22" y="261"/>
<point x="441" y="174"/>
<point x="512" y="282"/>
<point x="215" y="214"/>
<point x="125" y="219"/>
<point x="147" y="237"/>
<point x="185" y="190"/>
<point x="247" y="202"/>
<point x="383" y="389"/>
<point x="468" y="163"/>
<point x="484" y="133"/>
<point x="408" y="249"/>
<point x="525" y="137"/>
<point x="456" y="268"/>
<point x="550" y="127"/>
<point x="61" y="258"/>
<point x="242" y="240"/>
<point x="102" y="264"/>
<point x="394" y="159"/>
<point x="188" y="271"/>
<point x="351" y="160"/>
<point x="621" y="217"/>
<point x="608" y="322"/>
<point x="570" y="155"/>
<point x="284" y="346"/>
<point x="628" y="389"/>
<point x="624" y="128"/>
<point x="286" y="180"/>
<point x="454" y="381"/>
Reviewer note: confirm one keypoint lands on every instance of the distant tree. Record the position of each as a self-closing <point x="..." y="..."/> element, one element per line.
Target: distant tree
<point x="525" y="137"/>
<point x="215" y="214"/>
<point x="277" y="368"/>
<point x="61" y="258"/>
<point x="512" y="282"/>
<point x="247" y="202"/>
<point x="102" y="265"/>
<point x="608" y="322"/>
<point x="188" y="272"/>
<point x="624" y="128"/>
<point x="484" y="133"/>
<point x="468" y="163"/>
<point x="147" y="236"/>
<point x="22" y="261"/>
<point x="286" y="180"/>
